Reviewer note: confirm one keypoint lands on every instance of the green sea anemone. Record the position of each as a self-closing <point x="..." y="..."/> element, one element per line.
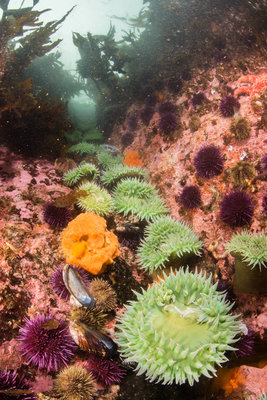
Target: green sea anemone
<point x="85" y="171"/>
<point x="115" y="174"/>
<point x="84" y="148"/>
<point x="108" y="160"/>
<point x="74" y="136"/>
<point x="178" y="329"/>
<point x="250" y="252"/>
<point x="93" y="136"/>
<point x="133" y="197"/>
<point x="167" y="240"/>
<point x="97" y="200"/>
<point x="262" y="397"/>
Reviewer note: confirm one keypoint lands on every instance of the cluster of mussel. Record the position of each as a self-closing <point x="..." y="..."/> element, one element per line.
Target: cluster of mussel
<point x="87" y="313"/>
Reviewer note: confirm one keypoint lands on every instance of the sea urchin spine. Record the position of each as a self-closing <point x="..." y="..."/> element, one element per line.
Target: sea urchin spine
<point x="45" y="342"/>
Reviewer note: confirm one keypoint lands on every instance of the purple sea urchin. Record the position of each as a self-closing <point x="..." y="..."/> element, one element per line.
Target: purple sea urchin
<point x="264" y="204"/>
<point x="264" y="162"/>
<point x="228" y="106"/>
<point x="236" y="209"/>
<point x="58" y="283"/>
<point x="132" y="122"/>
<point x="186" y="320"/>
<point x="166" y="107"/>
<point x="197" y="99"/>
<point x="245" y="344"/>
<point x="168" y="122"/>
<point x="75" y="383"/>
<point x="105" y="371"/>
<point x="56" y="217"/>
<point x="11" y="381"/>
<point x="146" y="114"/>
<point x="208" y="161"/>
<point x="127" y="139"/>
<point x="45" y="342"/>
<point x="190" y="197"/>
<point x="174" y="84"/>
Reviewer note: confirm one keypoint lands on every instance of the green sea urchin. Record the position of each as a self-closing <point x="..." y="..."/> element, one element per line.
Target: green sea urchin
<point x="250" y="252"/>
<point x="133" y="197"/>
<point x="84" y="171"/>
<point x="240" y="128"/>
<point x="178" y="329"/>
<point x="104" y="294"/>
<point x="74" y="383"/>
<point x="98" y="200"/>
<point x="166" y="240"/>
<point x="115" y="174"/>
<point x="241" y="173"/>
<point x="92" y="317"/>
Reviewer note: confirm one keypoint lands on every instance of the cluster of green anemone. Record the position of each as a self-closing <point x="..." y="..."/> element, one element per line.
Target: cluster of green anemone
<point x="182" y="316"/>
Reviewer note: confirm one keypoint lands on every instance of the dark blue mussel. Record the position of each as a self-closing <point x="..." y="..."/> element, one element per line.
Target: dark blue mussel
<point x="76" y="286"/>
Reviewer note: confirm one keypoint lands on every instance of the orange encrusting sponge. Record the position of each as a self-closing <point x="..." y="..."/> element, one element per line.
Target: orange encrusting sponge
<point x="87" y="242"/>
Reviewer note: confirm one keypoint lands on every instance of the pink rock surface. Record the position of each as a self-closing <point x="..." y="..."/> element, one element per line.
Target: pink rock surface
<point x="29" y="248"/>
<point x="169" y="158"/>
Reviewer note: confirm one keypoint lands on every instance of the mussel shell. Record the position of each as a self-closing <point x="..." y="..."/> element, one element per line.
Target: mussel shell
<point x="76" y="286"/>
<point x="91" y="340"/>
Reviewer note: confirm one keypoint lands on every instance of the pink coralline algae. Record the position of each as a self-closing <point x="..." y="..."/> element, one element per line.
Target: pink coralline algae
<point x="45" y="342"/>
<point x="256" y="85"/>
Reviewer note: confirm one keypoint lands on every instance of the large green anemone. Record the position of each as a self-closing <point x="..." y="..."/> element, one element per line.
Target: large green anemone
<point x="85" y="171"/>
<point x="133" y="197"/>
<point x="250" y="247"/>
<point x="84" y="148"/>
<point x="262" y="397"/>
<point x="167" y="240"/>
<point x="108" y="160"/>
<point x="115" y="174"/>
<point x="250" y="252"/>
<point x="98" y="200"/>
<point x="177" y="330"/>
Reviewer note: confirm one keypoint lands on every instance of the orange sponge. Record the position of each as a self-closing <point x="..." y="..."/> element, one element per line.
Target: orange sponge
<point x="132" y="159"/>
<point x="87" y="242"/>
